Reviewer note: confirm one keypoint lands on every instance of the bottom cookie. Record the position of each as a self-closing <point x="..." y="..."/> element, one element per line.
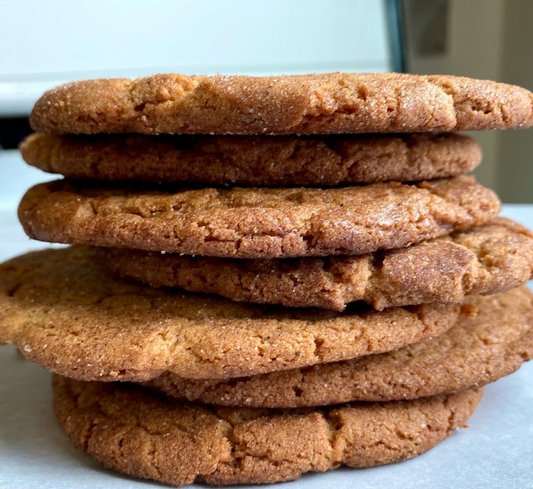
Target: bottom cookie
<point x="144" y="435"/>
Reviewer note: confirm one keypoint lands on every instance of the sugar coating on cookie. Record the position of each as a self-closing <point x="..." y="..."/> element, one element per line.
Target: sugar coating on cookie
<point x="330" y="103"/>
<point x="255" y="222"/>
<point x="142" y="435"/>
<point x="64" y="312"/>
<point x="491" y="339"/>
<point x="487" y="259"/>
<point x="256" y="160"/>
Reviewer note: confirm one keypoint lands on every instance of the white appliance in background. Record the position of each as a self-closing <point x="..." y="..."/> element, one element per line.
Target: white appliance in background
<point x="50" y="42"/>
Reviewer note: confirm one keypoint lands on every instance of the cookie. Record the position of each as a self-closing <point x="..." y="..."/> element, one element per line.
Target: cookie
<point x="255" y="222"/>
<point x="62" y="311"/>
<point x="332" y="103"/>
<point x="260" y="160"/>
<point x="142" y="435"/>
<point x="491" y="339"/>
<point x="487" y="259"/>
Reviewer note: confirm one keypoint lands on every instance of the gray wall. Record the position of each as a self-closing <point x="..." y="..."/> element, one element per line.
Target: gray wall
<point x="488" y="39"/>
<point x="515" y="155"/>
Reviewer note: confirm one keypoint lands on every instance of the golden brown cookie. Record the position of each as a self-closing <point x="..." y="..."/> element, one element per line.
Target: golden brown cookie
<point x="62" y="311"/>
<point x="487" y="259"/>
<point x="142" y="435"/>
<point x="492" y="338"/>
<point x="331" y="103"/>
<point x="255" y="222"/>
<point x="261" y="160"/>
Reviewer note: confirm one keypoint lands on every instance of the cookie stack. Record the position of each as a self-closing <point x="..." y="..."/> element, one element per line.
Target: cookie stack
<point x="254" y="287"/>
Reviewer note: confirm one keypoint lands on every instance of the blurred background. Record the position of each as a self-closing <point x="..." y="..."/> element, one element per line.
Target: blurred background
<point x="49" y="42"/>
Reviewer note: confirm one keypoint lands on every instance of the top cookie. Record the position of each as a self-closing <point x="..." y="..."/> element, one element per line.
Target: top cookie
<point x="332" y="103"/>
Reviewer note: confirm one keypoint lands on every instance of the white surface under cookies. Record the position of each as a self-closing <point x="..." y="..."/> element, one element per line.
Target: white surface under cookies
<point x="496" y="452"/>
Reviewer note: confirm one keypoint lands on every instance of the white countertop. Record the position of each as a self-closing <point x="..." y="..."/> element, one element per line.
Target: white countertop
<point x="496" y="452"/>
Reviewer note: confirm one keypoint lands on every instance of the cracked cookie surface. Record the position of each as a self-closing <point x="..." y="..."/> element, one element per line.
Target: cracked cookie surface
<point x="142" y="435"/>
<point x="331" y="103"/>
<point x="487" y="259"/>
<point x="260" y="161"/>
<point x="491" y="339"/>
<point x="255" y="222"/>
<point x="62" y="311"/>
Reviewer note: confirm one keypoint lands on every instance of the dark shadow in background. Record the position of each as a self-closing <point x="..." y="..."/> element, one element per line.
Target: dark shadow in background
<point x="396" y="28"/>
<point x="12" y="131"/>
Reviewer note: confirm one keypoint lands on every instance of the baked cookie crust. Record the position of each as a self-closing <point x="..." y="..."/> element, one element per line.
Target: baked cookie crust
<point x="487" y="259"/>
<point x="331" y="103"/>
<point x="255" y="222"/>
<point x="146" y="436"/>
<point x="491" y="339"/>
<point x="256" y="160"/>
<point x="62" y="311"/>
